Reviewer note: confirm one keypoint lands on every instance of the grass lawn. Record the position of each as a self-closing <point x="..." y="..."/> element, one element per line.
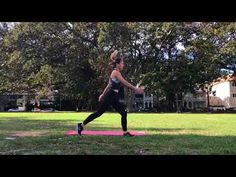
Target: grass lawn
<point x="180" y="134"/>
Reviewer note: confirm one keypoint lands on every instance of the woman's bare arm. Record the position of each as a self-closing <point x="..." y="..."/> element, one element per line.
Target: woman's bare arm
<point x="118" y="75"/>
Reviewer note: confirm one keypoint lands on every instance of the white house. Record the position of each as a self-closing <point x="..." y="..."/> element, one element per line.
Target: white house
<point x="195" y="101"/>
<point x="222" y="92"/>
<point x="142" y="101"/>
<point x="221" y="95"/>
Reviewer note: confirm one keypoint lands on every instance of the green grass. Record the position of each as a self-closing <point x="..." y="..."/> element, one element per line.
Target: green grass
<point x="181" y="134"/>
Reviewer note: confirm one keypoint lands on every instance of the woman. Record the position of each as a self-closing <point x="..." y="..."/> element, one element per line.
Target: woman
<point x="110" y="96"/>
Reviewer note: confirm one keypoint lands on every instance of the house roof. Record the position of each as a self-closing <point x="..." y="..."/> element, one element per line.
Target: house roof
<point x="223" y="79"/>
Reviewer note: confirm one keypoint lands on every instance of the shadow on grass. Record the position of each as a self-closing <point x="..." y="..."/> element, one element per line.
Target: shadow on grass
<point x="119" y="145"/>
<point x="24" y="126"/>
<point x="9" y="125"/>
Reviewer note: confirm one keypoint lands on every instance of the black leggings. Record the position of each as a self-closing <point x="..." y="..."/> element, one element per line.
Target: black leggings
<point x="112" y="99"/>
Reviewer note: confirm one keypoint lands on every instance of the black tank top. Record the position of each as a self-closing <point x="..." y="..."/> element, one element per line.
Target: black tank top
<point x="114" y="84"/>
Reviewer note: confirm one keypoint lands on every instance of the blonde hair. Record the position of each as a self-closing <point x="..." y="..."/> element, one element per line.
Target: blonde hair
<point x="114" y="55"/>
<point x="115" y="59"/>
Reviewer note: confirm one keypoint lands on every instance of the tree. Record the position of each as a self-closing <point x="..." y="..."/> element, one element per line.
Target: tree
<point x="170" y="59"/>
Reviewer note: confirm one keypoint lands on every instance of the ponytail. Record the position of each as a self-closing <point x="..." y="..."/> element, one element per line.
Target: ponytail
<point x="114" y="59"/>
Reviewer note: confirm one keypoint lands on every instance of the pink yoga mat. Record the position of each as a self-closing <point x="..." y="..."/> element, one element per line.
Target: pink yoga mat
<point x="103" y="132"/>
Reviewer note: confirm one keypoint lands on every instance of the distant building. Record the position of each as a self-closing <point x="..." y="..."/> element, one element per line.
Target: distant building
<point x="195" y="101"/>
<point x="19" y="101"/>
<point x="13" y="100"/>
<point x="221" y="95"/>
<point x="142" y="102"/>
<point x="222" y="92"/>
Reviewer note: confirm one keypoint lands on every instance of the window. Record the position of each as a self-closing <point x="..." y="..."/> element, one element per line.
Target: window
<point x="20" y="104"/>
<point x="12" y="96"/>
<point x="233" y="84"/>
<point x="190" y="104"/>
<point x="185" y="104"/>
<point x="150" y="105"/>
<point x="214" y="93"/>
<point x="234" y="94"/>
<point x="139" y="95"/>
